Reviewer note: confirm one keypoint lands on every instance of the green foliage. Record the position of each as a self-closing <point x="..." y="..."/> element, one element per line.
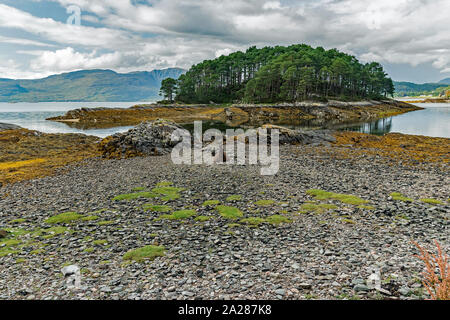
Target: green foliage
<point x="345" y="198"/>
<point x="317" y="208"/>
<point x="431" y="201"/>
<point x="229" y="212"/>
<point x="144" y="253"/>
<point x="264" y="203"/>
<point x="277" y="219"/>
<point x="234" y="198"/>
<point x="253" y="221"/>
<point x="399" y="197"/>
<point x="168" y="87"/>
<point x="211" y="203"/>
<point x="64" y="217"/>
<point x="169" y="193"/>
<point x="202" y="218"/>
<point x="99" y="242"/>
<point x="90" y="218"/>
<point x="292" y="73"/>
<point x="178" y="215"/>
<point x="156" y="208"/>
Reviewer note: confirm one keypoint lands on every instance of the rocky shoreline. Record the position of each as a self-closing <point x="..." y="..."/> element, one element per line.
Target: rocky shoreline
<point x="238" y="114"/>
<point x="226" y="231"/>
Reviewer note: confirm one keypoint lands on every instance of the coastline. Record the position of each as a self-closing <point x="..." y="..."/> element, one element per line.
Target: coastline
<point x="284" y="242"/>
<point x="237" y="114"/>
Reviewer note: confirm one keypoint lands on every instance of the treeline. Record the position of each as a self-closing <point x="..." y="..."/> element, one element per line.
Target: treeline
<point x="272" y="74"/>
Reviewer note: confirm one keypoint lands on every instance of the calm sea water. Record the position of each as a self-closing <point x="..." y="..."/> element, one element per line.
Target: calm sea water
<point x="433" y="121"/>
<point x="32" y="116"/>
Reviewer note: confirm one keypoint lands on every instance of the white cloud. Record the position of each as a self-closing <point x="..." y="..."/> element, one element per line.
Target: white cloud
<point x="189" y="31"/>
<point x="24" y="42"/>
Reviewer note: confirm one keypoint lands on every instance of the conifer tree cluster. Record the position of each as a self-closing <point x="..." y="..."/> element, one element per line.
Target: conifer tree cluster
<point x="274" y="74"/>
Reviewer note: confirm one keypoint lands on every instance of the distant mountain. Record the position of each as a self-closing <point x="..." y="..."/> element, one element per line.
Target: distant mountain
<point x="88" y="85"/>
<point x="404" y="88"/>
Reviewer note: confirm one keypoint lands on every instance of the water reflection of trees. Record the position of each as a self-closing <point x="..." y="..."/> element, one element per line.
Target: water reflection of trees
<point x="378" y="127"/>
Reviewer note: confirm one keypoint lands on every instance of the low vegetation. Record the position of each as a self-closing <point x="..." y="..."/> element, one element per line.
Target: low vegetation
<point x="345" y="198"/>
<point x="179" y="215"/>
<point x="436" y="283"/>
<point x="149" y="252"/>
<point x="229" y="212"/>
<point x="64" y="217"/>
<point x="400" y="197"/>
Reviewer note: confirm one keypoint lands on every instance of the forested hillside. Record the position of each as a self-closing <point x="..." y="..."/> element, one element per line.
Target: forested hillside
<point x="293" y="73"/>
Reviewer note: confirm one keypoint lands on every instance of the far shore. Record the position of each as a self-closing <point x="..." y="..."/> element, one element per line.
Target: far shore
<point x="237" y="114"/>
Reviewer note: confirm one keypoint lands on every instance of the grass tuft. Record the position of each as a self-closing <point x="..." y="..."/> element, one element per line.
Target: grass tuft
<point x="229" y="212"/>
<point x="431" y="201"/>
<point x="344" y="198"/>
<point x="211" y="203"/>
<point x="277" y="219"/>
<point x="156" y="208"/>
<point x="264" y="203"/>
<point x="144" y="253"/>
<point x="179" y="215"/>
<point x="64" y="217"/>
<point x="234" y="198"/>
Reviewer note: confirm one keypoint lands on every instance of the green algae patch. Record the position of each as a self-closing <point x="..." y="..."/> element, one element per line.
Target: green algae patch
<point x="344" y="198"/>
<point x="203" y="218"/>
<point x="145" y="253"/>
<point x="348" y="221"/>
<point x="229" y="212"/>
<point x="178" y="215"/>
<point x="211" y="203"/>
<point x="89" y="250"/>
<point x="234" y="197"/>
<point x="156" y="208"/>
<point x="316" y="208"/>
<point x="253" y="221"/>
<point x="277" y="219"/>
<point x="90" y="218"/>
<point x="264" y="203"/>
<point x="99" y="242"/>
<point x="400" y="197"/>
<point x="65" y="217"/>
<point x="431" y="201"/>
<point x="138" y="189"/>
<point x="168" y="193"/>
<point x="135" y="195"/>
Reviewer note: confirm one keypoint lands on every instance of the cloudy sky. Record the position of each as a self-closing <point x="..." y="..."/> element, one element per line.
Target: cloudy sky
<point x="411" y="38"/>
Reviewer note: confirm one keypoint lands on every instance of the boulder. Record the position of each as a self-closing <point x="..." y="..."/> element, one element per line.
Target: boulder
<point x="8" y="126"/>
<point x="3" y="234"/>
<point x="148" y="138"/>
<point x="297" y="136"/>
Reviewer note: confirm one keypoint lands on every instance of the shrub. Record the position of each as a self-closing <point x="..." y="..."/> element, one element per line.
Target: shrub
<point x="437" y="285"/>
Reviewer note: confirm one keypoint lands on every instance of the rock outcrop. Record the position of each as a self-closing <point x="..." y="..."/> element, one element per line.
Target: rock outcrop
<point x="148" y="138"/>
<point x="8" y="126"/>
<point x="291" y="136"/>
